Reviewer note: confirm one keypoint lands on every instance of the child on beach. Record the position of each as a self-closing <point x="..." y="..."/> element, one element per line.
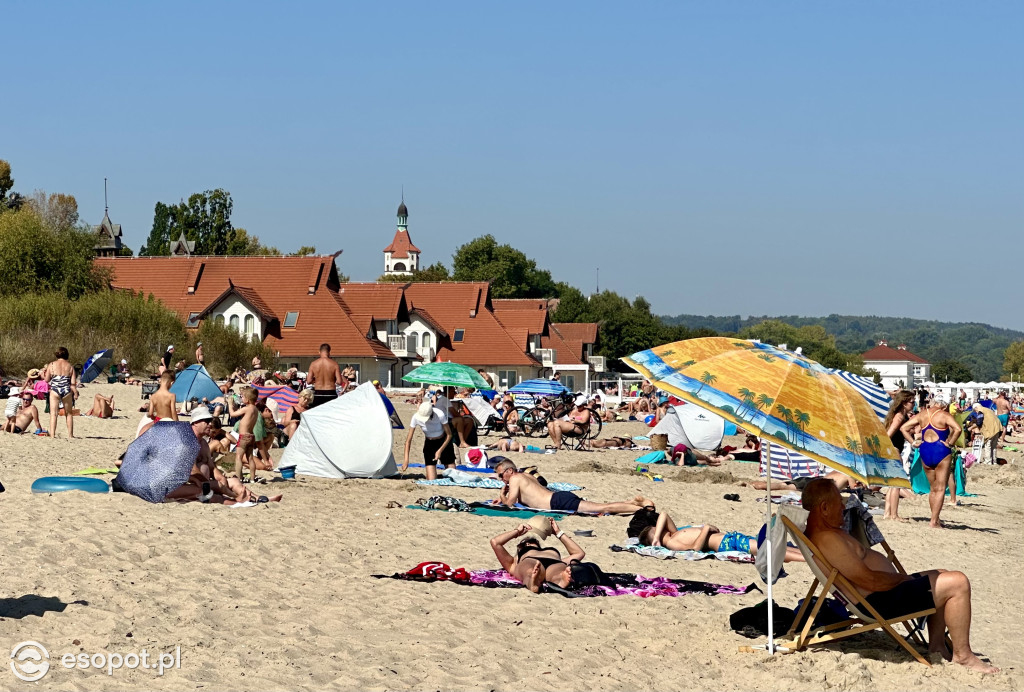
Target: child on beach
<point x="162" y="404"/>
<point x="246" y="432"/>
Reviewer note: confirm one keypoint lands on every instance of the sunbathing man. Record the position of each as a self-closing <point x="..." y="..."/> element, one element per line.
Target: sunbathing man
<point x="613" y="443"/>
<point x="324" y="376"/>
<point x="890" y="593"/>
<point x="533" y="565"/>
<point x="658" y="529"/>
<point x="577" y="425"/>
<point x="102" y="407"/>
<point x="524" y="488"/>
<point x="25" y="415"/>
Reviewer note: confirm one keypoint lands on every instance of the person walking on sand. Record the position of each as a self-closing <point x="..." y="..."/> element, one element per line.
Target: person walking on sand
<point x="1003" y="412"/>
<point x="200" y="356"/>
<point x="165" y="361"/>
<point x="63" y="382"/>
<point x="246" y="432"/>
<point x="324" y="375"/>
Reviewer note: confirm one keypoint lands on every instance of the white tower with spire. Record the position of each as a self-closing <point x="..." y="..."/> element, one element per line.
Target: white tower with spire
<point x="401" y="257"/>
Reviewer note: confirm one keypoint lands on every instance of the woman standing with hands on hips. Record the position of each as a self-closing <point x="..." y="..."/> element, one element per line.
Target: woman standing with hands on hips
<point x="437" y="432"/>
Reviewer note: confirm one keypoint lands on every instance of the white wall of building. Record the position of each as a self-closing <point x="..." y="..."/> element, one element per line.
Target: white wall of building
<point x="233" y="306"/>
<point x="894" y="372"/>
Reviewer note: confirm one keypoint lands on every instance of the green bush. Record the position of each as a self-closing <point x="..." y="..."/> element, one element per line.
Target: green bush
<point x="138" y="328"/>
<point x="35" y="258"/>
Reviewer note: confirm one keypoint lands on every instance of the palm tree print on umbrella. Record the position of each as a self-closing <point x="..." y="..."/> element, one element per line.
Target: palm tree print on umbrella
<point x="852" y="445"/>
<point x="802" y="420"/>
<point x="708" y="379"/>
<point x="787" y="415"/>
<point x="747" y="397"/>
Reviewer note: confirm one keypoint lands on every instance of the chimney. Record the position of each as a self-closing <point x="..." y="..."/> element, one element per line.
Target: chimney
<point x="881" y="342"/>
<point x="901" y="347"/>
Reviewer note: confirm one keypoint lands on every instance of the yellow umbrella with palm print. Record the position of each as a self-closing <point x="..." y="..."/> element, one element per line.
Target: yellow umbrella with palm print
<point x="781" y="396"/>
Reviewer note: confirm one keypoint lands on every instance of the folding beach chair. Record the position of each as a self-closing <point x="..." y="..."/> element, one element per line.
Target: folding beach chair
<point x="865" y="617"/>
<point x="577" y="442"/>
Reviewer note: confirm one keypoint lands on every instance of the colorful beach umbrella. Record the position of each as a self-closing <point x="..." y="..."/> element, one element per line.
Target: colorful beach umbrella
<point x="781" y="396"/>
<point x="286" y="397"/>
<point x="448" y="375"/>
<point x="195" y="383"/>
<point x="158" y="461"/>
<point x="96" y="365"/>
<point x="539" y="387"/>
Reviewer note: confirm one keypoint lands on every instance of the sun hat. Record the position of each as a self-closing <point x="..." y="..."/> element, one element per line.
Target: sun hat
<point x="170" y="348"/>
<point x="124" y="362"/>
<point x="540" y="526"/>
<point x="425" y="410"/>
<point x="581" y="400"/>
<point x="15" y="391"/>
<point x="34" y="372"/>
<point x="200" y="414"/>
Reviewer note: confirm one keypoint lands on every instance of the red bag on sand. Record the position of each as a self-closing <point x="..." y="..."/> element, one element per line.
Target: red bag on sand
<point x="439" y="571"/>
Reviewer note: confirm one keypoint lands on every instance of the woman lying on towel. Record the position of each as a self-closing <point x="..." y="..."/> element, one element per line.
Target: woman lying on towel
<point x="532" y="564"/>
<point x="657" y="529"/>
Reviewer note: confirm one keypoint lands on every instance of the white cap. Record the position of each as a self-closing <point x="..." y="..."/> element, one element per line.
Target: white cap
<point x="124" y="362"/>
<point x="581" y="400"/>
<point x="200" y="414"/>
<point x="171" y="347"/>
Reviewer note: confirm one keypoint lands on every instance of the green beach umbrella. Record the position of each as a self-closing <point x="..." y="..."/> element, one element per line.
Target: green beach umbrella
<point x="447" y="374"/>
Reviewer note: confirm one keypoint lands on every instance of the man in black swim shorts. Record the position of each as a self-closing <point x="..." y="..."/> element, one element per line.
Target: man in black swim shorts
<point x="25" y="415"/>
<point x="524" y="488"/>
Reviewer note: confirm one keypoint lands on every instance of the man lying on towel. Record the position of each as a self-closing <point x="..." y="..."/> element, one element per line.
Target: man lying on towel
<point x="890" y="593"/>
<point x="524" y="488"/>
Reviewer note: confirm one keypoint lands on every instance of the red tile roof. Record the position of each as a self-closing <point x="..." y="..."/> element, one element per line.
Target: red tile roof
<point x="576" y="335"/>
<point x="565" y="353"/>
<point x="401" y="245"/>
<point x="464" y="305"/>
<point x="283" y="284"/>
<point x="884" y="352"/>
<point x="522" y="313"/>
<point x="249" y="296"/>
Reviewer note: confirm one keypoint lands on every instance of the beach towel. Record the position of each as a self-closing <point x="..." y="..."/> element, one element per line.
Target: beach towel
<point x="489" y="509"/>
<point x="491" y="483"/>
<point x="663" y="553"/>
<point x="658" y="457"/>
<point x="93" y="471"/>
<point x="618" y="584"/>
<point x="919" y="481"/>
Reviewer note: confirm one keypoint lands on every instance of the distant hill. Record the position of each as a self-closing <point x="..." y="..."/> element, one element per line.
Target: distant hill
<point x="979" y="346"/>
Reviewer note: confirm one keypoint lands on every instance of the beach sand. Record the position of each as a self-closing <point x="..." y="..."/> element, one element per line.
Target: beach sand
<point x="280" y="596"/>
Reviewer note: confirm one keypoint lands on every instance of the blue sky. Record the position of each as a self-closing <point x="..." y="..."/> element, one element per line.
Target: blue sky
<point x="717" y="158"/>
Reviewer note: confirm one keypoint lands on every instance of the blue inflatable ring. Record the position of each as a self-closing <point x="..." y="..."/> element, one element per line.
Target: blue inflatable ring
<point x="56" y="484"/>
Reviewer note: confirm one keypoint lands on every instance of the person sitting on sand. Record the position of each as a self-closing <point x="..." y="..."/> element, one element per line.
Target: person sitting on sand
<point x="25" y="415"/>
<point x="221" y="439"/>
<point x="102" y="407"/>
<point x="524" y="488"/>
<point x="294" y="414"/>
<point x="613" y="443"/>
<point x="893" y="594"/>
<point x="657" y="529"/>
<point x="577" y="425"/>
<point x="207" y="483"/>
<point x="687" y="456"/>
<point x="163" y="405"/>
<point x="532" y="565"/>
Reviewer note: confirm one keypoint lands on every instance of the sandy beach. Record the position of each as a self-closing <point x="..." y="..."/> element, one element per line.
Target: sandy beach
<point x="281" y="597"/>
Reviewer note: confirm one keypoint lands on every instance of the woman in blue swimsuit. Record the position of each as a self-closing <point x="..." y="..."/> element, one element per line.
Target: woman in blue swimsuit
<point x="939" y="432"/>
<point x="63" y="389"/>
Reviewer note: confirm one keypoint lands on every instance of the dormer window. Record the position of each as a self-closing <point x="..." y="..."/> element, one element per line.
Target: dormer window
<point x="193" y="320"/>
<point x="458" y="336"/>
<point x="291" y="318"/>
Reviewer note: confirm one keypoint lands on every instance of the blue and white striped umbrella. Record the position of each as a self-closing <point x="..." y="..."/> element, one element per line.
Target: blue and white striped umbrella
<point x="788" y="464"/>
<point x="539" y="387"/>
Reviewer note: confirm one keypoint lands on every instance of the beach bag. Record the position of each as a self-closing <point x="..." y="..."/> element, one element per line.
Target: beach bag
<point x="659" y="441"/>
<point x="584" y="574"/>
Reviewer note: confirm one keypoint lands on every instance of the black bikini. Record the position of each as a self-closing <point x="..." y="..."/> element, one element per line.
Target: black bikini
<point x="546" y="562"/>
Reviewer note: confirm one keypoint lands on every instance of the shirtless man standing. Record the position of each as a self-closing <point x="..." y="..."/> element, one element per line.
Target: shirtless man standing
<point x="162" y="404"/>
<point x="893" y="594"/>
<point x="522" y="487"/>
<point x="324" y="375"/>
<point x="1003" y="411"/>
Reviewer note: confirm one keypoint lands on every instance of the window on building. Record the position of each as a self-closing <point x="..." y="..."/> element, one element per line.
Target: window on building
<point x="220" y="319"/>
<point x="569" y="381"/>
<point x="250" y="325"/>
<point x="411" y="342"/>
<point x="193" y="320"/>
<point x="399" y="267"/>
<point x="508" y="378"/>
<point x="425" y="341"/>
<point x="234" y="322"/>
<point x="458" y="336"/>
<point x="392" y="326"/>
<point x="291" y="318"/>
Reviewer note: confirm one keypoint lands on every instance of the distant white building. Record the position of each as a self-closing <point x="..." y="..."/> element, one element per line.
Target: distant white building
<point x="897" y="366"/>
<point x="401" y="257"/>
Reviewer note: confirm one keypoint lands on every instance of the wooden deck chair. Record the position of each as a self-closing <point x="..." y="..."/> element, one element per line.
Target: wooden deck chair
<point x="865" y="617"/>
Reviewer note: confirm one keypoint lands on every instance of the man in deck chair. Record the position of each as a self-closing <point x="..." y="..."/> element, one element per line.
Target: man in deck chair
<point x="890" y="593"/>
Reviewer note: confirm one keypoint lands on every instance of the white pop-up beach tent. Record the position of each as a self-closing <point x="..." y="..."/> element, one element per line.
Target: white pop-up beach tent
<point x="349" y="437"/>
<point x="692" y="426"/>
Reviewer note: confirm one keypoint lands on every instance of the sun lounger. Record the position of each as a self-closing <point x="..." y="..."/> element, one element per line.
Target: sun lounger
<point x="864" y="617"/>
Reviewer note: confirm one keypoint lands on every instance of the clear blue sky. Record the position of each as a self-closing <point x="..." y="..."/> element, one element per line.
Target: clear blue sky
<point x="718" y="158"/>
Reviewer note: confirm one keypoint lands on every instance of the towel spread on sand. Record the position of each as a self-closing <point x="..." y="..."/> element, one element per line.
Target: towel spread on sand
<point x="490" y="509"/>
<point x="663" y="553"/>
<point x="618" y="584"/>
<point x="93" y="471"/>
<point x="492" y="483"/>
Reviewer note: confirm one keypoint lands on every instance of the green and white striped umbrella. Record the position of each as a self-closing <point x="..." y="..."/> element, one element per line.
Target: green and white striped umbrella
<point x="447" y="374"/>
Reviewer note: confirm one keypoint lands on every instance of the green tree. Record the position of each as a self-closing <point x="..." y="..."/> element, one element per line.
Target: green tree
<point x="435" y="272"/>
<point x="304" y="251"/>
<point x="1013" y="360"/>
<point x="158" y="243"/>
<point x="511" y="273"/>
<point x="951" y="371"/>
<point x="243" y="244"/>
<point x="36" y="258"/>
<point x="9" y="201"/>
<point x="204" y="218"/>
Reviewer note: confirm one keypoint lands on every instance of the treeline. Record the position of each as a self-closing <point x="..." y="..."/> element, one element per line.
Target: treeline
<point x="958" y="351"/>
<point x="51" y="294"/>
